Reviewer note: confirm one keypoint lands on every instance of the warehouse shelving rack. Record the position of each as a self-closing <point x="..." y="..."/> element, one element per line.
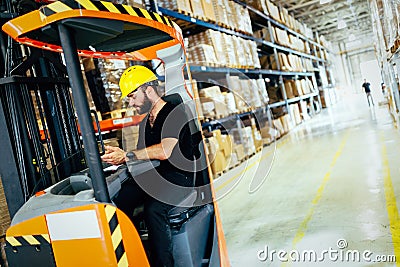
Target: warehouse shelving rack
<point x="387" y="50"/>
<point x="315" y="47"/>
<point x="183" y="19"/>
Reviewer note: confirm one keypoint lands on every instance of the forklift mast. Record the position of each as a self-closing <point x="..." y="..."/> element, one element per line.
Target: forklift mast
<point x="32" y="77"/>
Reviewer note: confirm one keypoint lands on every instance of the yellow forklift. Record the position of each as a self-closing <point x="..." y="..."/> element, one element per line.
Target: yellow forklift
<point x="66" y="215"/>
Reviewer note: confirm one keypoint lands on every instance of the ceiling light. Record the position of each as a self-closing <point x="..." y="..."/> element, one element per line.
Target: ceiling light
<point x="341" y="24"/>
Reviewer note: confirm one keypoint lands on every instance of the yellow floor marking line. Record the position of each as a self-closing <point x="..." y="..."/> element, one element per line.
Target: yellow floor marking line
<point x="304" y="224"/>
<point x="391" y="204"/>
<point x="284" y="142"/>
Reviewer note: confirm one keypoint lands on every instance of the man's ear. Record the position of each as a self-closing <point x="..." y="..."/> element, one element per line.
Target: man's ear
<point x="149" y="91"/>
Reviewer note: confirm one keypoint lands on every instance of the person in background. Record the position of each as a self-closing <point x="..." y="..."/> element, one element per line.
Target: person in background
<point x="164" y="135"/>
<point x="383" y="87"/>
<point x="367" y="88"/>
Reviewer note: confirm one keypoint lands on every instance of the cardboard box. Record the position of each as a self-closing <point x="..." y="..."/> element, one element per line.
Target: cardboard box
<point x="230" y="102"/>
<point x="220" y="11"/>
<point x="239" y="151"/>
<point x="273" y="10"/>
<point x="295" y="113"/>
<point x="286" y="123"/>
<point x="197" y="8"/>
<point x="258" y="141"/>
<point x="289" y="89"/>
<point x="278" y="126"/>
<point x="226" y="145"/>
<point x="208" y="10"/>
<point x="211" y="92"/>
<point x="259" y="4"/>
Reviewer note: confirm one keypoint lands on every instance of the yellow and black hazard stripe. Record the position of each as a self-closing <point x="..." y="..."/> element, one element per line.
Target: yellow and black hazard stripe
<point x="116" y="236"/>
<point x="27" y="240"/>
<point x="66" y="5"/>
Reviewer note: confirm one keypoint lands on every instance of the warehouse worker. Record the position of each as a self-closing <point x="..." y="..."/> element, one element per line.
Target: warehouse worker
<point x="367" y="88"/>
<point x="163" y="135"/>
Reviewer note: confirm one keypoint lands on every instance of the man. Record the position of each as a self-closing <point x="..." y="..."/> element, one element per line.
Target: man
<point x="163" y="135"/>
<point x="367" y="88"/>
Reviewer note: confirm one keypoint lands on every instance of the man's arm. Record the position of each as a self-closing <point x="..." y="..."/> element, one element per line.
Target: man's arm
<point x="162" y="151"/>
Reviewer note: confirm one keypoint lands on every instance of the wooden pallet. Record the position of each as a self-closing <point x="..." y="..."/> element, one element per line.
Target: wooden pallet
<point x="395" y="46"/>
<point x="184" y="12"/>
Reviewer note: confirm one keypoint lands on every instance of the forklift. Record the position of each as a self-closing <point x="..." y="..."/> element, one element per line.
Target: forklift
<point x="59" y="193"/>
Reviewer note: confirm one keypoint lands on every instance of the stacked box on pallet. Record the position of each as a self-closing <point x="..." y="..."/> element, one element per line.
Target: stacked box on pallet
<point x="230" y="102"/>
<point x="287" y="123"/>
<point x="254" y="53"/>
<point x="284" y="14"/>
<point x="235" y="86"/>
<point x="230" y="53"/>
<point x="273" y="10"/>
<point x="213" y="38"/>
<point x="289" y="89"/>
<point x="130" y="135"/>
<point x="259" y="5"/>
<point x="246" y="20"/>
<point x="295" y="62"/>
<point x="299" y="88"/>
<point x="192" y="86"/>
<point x="248" y="140"/>
<point x="182" y="6"/>
<point x="231" y="12"/>
<point x="236" y="11"/>
<point x="284" y="62"/>
<point x="304" y="110"/>
<point x="216" y="157"/>
<point x="308" y="64"/>
<point x="295" y="113"/>
<point x="213" y="94"/>
<point x="278" y="126"/>
<point x="220" y="150"/>
<point x="220" y="11"/>
<point x="282" y="37"/>
<point x="245" y="91"/>
<point x="263" y="34"/>
<point x="248" y="61"/>
<point x="208" y="10"/>
<point x="268" y="134"/>
<point x="202" y="54"/>
<point x="111" y="71"/>
<point x="197" y="8"/>
<point x="262" y="90"/>
<point x="258" y="142"/>
<point x="256" y="100"/>
<point x="239" y="51"/>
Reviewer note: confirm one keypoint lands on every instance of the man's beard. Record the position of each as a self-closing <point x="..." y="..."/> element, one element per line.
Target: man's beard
<point x="146" y="107"/>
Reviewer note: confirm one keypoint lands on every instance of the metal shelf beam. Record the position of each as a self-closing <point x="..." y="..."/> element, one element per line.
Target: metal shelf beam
<point x="212" y="26"/>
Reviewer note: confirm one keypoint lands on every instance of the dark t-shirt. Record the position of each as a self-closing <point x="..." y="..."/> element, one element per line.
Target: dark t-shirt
<point x="366" y="86"/>
<point x="171" y="121"/>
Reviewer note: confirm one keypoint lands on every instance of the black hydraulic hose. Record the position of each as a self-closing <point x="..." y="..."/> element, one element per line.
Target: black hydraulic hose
<point x="34" y="134"/>
<point x="82" y="108"/>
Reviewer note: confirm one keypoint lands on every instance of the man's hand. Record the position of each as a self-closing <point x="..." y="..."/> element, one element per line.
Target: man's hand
<point x="114" y="155"/>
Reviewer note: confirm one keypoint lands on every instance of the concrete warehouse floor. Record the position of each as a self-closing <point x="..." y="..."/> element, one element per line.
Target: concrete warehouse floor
<point x="334" y="185"/>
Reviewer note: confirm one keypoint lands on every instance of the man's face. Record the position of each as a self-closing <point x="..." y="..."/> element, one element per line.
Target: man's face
<point x="139" y="100"/>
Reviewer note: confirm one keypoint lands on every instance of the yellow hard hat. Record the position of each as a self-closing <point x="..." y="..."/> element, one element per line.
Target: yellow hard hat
<point x="133" y="77"/>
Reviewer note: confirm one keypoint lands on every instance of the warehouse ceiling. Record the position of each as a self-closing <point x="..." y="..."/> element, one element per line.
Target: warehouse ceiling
<point x="324" y="18"/>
